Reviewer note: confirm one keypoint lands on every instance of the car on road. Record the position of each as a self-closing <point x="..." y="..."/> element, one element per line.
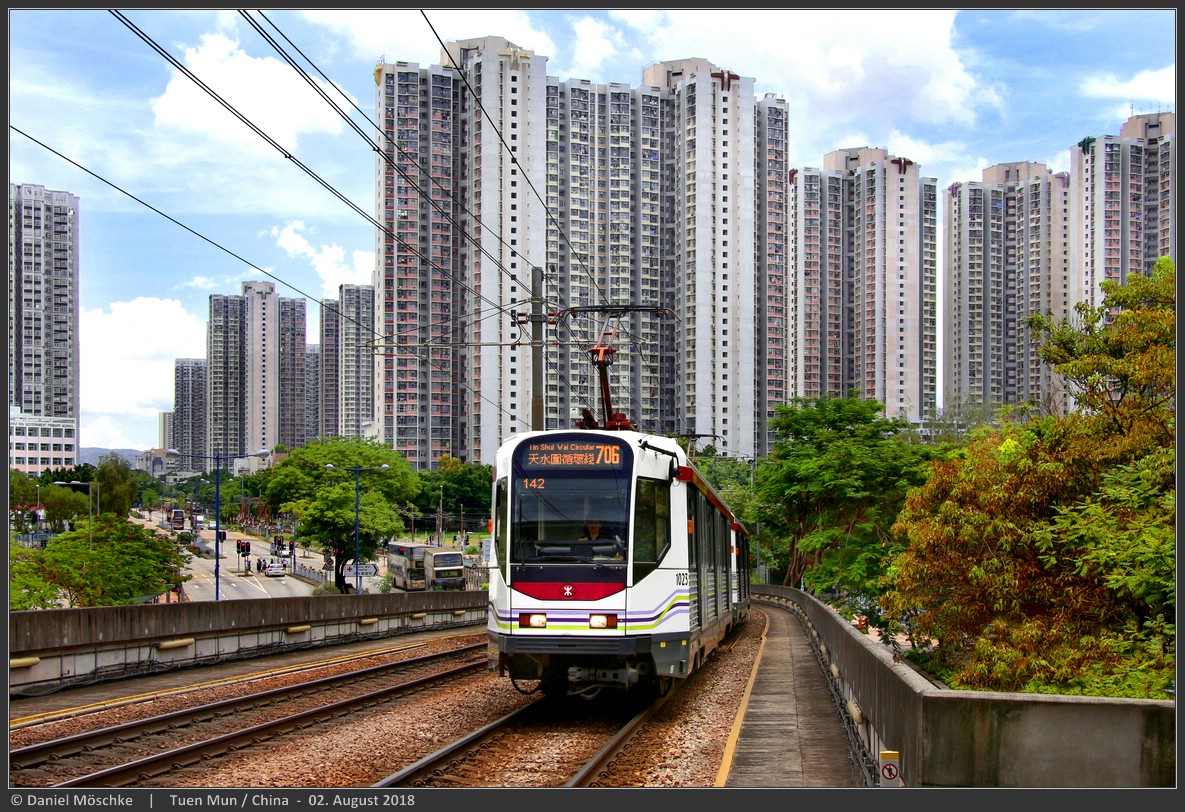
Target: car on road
<point x="274" y="570"/>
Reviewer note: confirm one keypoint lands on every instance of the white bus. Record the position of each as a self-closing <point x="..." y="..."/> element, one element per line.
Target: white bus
<point x="405" y="562"/>
<point x="444" y="569"/>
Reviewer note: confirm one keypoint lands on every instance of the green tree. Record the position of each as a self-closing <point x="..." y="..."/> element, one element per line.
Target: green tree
<point x="27" y="589"/>
<point x="1041" y="560"/>
<point x="117" y="485"/>
<point x="116" y="563"/>
<point x="329" y="519"/>
<point x="22" y="501"/>
<point x="831" y="491"/>
<point x="1119" y="359"/>
<point x="463" y="489"/>
<point x="63" y="505"/>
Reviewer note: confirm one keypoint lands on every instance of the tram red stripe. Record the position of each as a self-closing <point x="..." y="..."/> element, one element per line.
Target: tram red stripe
<point x="566" y="590"/>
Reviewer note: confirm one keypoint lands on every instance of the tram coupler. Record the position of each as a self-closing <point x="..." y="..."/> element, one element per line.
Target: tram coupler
<point x="625" y="677"/>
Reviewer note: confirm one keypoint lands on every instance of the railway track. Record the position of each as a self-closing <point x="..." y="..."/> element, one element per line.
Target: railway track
<point x="135" y="753"/>
<point x="675" y="743"/>
<point x="549" y="743"/>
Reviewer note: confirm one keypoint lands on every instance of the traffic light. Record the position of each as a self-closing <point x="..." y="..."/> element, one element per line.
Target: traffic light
<point x="222" y="535"/>
<point x="279" y="539"/>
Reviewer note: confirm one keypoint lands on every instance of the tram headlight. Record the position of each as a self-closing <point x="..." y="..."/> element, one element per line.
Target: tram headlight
<point x="528" y="620"/>
<point x="602" y="621"/>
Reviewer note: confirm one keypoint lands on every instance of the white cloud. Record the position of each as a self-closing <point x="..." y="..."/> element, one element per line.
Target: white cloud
<point x="596" y="43"/>
<point x="1146" y="86"/>
<point x="406" y="35"/>
<point x="1059" y="162"/>
<point x="843" y="71"/>
<point x="644" y="20"/>
<point x="203" y="283"/>
<point x="265" y="91"/>
<point x="127" y="360"/>
<point x="328" y="261"/>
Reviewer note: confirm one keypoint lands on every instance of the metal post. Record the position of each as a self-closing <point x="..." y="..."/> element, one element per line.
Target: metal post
<point x="357" y="469"/>
<point x="537" y="394"/>
<point x="357" y="563"/>
<point x="757" y="534"/>
<point x="217" y="521"/>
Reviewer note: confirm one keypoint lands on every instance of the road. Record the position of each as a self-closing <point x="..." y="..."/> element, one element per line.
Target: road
<point x="229" y="580"/>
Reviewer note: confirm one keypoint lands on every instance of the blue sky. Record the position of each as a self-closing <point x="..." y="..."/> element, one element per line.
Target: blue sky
<point x="955" y="91"/>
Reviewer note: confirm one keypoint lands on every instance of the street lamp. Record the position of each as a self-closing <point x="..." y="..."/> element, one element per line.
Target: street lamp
<point x="89" y="520"/>
<point x="357" y="564"/>
<point x="218" y="460"/>
<point x="753" y="463"/>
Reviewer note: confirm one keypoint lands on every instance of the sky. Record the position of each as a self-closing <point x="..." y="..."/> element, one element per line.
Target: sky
<point x="181" y="199"/>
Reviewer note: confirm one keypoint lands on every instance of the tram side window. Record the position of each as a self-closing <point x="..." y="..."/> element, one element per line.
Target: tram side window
<point x="501" y="525"/>
<point x="652" y="522"/>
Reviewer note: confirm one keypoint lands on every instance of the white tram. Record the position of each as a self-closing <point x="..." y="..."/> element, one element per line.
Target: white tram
<point x="643" y="603"/>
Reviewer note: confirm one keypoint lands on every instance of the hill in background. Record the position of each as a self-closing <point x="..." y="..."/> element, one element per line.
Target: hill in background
<point x="93" y="455"/>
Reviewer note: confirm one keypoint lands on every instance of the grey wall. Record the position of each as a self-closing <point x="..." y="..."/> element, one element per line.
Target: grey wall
<point x="950" y="738"/>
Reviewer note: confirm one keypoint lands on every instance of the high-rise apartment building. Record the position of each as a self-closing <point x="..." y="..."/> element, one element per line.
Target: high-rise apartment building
<point x="187" y="430"/>
<point x="1007" y="257"/>
<point x="355" y="313"/>
<point x="312" y="392"/>
<point x="329" y="375"/>
<point x="164" y="429"/>
<point x="710" y="141"/>
<point x="771" y="324"/>
<point x="226" y="376"/>
<point x="43" y="343"/>
<point x="261" y="402"/>
<point x="1123" y="207"/>
<point x="647" y="197"/>
<point x="291" y="337"/>
<point x="255" y="346"/>
<point x="863" y="300"/>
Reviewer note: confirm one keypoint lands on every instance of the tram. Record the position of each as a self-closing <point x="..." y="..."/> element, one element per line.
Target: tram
<point x="635" y="604"/>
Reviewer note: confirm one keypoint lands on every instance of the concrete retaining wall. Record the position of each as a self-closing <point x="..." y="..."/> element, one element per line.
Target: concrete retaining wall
<point x="950" y="738"/>
<point x="62" y="647"/>
<point x="945" y="738"/>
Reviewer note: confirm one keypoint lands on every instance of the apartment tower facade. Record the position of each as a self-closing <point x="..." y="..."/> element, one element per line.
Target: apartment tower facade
<point x="187" y="432"/>
<point x="1123" y="210"/>
<point x="638" y="206"/>
<point x="255" y="345"/>
<point x="43" y="339"/>
<point x="355" y="396"/>
<point x="329" y="373"/>
<point x="863" y="300"/>
<point x="1007" y="257"/>
<point x="291" y="337"/>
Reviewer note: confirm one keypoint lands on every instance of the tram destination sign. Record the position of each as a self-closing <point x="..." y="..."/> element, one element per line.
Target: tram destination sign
<point x="563" y="452"/>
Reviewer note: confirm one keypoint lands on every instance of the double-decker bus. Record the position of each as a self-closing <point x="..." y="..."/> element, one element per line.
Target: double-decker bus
<point x="406" y="565"/>
<point x="177" y="518"/>
<point x="444" y="569"/>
